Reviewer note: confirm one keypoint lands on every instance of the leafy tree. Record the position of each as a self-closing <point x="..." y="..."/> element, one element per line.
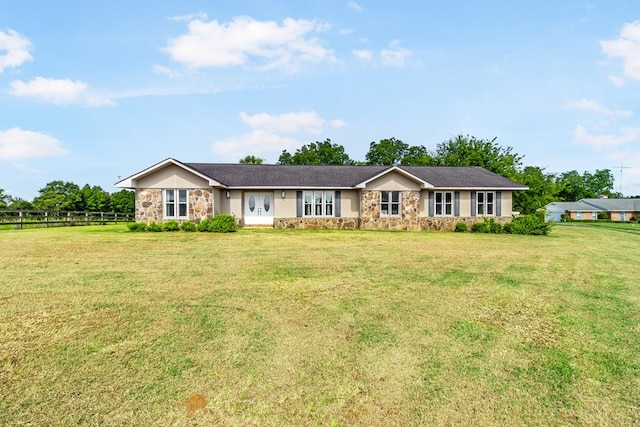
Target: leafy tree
<point x="123" y="201"/>
<point x="20" y="204"/>
<point x="95" y="199"/>
<point x="469" y="151"/>
<point x="542" y="190"/>
<point x="573" y="186"/>
<point x="59" y="196"/>
<point x="251" y="160"/>
<point x="387" y="152"/>
<point x="600" y="182"/>
<point x="4" y="199"/>
<point x="316" y="153"/>
<point x="417" y="155"/>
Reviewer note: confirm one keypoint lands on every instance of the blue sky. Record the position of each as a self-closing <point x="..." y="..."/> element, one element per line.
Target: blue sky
<point x="91" y="91"/>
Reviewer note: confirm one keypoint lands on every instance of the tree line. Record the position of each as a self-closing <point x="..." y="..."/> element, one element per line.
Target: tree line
<point x="67" y="196"/>
<point x="463" y="150"/>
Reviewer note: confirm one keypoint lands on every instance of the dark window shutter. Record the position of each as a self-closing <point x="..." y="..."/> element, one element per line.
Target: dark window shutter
<point x="473" y="203"/>
<point x="498" y="203"/>
<point x="432" y="203"/>
<point x="337" y="208"/>
<point x="299" y="204"/>
<point x="456" y="203"/>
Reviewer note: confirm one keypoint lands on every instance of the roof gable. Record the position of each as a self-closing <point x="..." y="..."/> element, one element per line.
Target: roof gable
<point x="396" y="169"/>
<point x="130" y="181"/>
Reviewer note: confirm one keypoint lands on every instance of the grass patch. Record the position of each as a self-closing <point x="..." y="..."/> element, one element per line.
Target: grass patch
<point x="100" y="326"/>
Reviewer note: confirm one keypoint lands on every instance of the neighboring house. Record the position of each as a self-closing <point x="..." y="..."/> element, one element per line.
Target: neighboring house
<point x="578" y="211"/>
<point x="617" y="209"/>
<point x="282" y="196"/>
<point x="588" y="209"/>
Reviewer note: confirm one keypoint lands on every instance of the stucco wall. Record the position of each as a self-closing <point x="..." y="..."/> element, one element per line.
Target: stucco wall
<point x="171" y="176"/>
<point x="393" y="181"/>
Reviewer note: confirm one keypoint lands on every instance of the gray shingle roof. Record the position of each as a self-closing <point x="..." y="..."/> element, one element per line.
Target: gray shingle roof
<point x="617" y="205"/>
<point x="579" y="206"/>
<point x="239" y="175"/>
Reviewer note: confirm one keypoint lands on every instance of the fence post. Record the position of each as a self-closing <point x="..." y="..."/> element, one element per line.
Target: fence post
<point x="46" y="219"/>
<point x="20" y="219"/>
<point x="68" y="218"/>
<point x="116" y="218"/>
<point x="102" y="218"/>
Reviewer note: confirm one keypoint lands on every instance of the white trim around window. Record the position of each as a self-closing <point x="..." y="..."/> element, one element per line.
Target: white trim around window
<point x="444" y="203"/>
<point x="485" y="203"/>
<point x="318" y="203"/>
<point x="176" y="203"/>
<point x="390" y="203"/>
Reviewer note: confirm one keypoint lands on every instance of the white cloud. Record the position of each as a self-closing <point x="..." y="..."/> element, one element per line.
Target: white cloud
<point x="273" y="45"/>
<point x="363" y="54"/>
<point x="306" y="121"/>
<point x="160" y="69"/>
<point x="355" y="6"/>
<point x="595" y="107"/>
<point x="267" y="135"/>
<point x="189" y="17"/>
<point x="617" y="81"/>
<point x="57" y="91"/>
<point x="16" y="144"/>
<point x="259" y="142"/>
<point x="395" y="56"/>
<point x="14" y="49"/>
<point x="626" y="47"/>
<point x="606" y="141"/>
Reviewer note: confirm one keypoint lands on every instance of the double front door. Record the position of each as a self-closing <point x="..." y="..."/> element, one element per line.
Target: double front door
<point x="258" y="208"/>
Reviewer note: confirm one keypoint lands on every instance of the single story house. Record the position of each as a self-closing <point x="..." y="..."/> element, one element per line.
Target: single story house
<point x="285" y="196"/>
<point x="617" y="209"/>
<point x="577" y="211"/>
<point x="588" y="209"/>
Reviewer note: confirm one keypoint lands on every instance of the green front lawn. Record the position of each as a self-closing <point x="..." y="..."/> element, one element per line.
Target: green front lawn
<point x="101" y="326"/>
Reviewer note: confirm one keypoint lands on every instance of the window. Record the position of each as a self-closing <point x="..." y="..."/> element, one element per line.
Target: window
<point x="444" y="203"/>
<point x="390" y="203"/>
<point x="623" y="216"/>
<point x="485" y="203"/>
<point x="175" y="204"/>
<point x="318" y="203"/>
<point x="579" y="215"/>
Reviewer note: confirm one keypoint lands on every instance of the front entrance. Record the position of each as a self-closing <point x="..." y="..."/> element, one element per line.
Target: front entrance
<point x="258" y="208"/>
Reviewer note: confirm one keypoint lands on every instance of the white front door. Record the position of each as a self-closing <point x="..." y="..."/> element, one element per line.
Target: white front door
<point x="258" y="208"/>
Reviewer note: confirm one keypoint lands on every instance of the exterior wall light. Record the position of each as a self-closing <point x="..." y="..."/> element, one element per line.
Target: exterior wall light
<point x="283" y="193"/>
<point x="228" y="194"/>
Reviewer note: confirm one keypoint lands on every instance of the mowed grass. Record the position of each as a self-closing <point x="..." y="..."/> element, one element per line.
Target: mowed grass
<point x="100" y="326"/>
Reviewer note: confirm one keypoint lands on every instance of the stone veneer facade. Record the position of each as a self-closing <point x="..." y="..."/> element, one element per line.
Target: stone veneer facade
<point x="409" y="218"/>
<point x="149" y="204"/>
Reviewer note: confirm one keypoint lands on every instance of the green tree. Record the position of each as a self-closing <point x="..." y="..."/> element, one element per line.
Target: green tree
<point x="387" y="152"/>
<point x="573" y="186"/>
<point x="20" y="204"/>
<point x="542" y="190"/>
<point x="251" y="160"/>
<point x="600" y="182"/>
<point x="123" y="201"/>
<point x="316" y="153"/>
<point x="417" y="155"/>
<point x="4" y="199"/>
<point x="59" y="196"/>
<point x="95" y="199"/>
<point x="469" y="151"/>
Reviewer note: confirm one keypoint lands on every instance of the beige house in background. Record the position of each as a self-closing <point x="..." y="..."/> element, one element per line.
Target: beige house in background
<point x="356" y="197"/>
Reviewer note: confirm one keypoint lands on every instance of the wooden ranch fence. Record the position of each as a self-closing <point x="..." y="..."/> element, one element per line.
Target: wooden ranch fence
<point x="28" y="219"/>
